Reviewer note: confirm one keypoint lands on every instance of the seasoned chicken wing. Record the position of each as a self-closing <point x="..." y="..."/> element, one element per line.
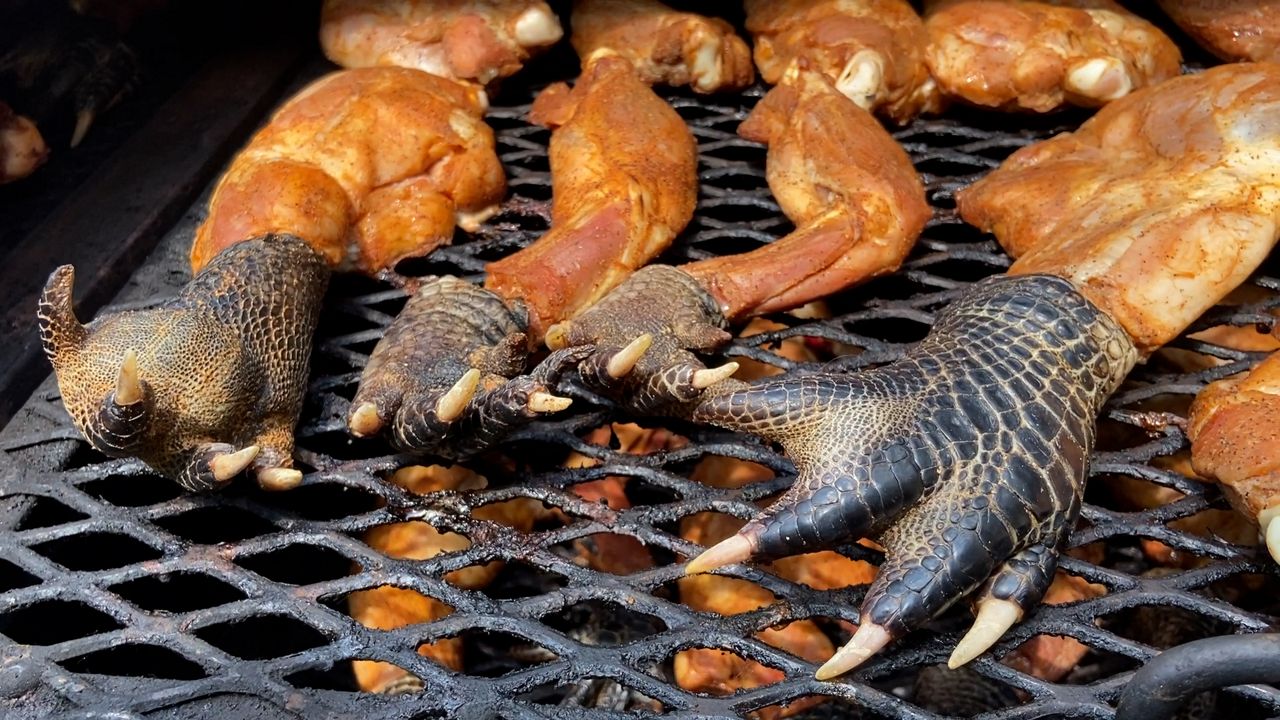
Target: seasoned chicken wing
<point x="369" y="166"/>
<point x="1230" y="29"/>
<point x="1038" y="56"/>
<point x="665" y="46"/>
<point x="1157" y="207"/>
<point x="1235" y="434"/>
<point x="873" y="50"/>
<point x="477" y="40"/>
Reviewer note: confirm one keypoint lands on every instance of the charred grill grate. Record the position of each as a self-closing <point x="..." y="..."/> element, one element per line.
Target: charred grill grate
<point x="121" y="594"/>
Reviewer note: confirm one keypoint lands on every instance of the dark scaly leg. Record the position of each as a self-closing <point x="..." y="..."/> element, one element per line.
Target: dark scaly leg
<point x="967" y="457"/>
<point x="444" y="378"/>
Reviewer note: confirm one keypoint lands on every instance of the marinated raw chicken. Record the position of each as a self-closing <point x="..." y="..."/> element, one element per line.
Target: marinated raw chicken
<point x="623" y="168"/>
<point x="476" y="40"/>
<point x="873" y="50"/>
<point x="1231" y="29"/>
<point x="1235" y="434"/>
<point x="1038" y="56"/>
<point x="369" y="166"/>
<point x="22" y="148"/>
<point x="664" y="45"/>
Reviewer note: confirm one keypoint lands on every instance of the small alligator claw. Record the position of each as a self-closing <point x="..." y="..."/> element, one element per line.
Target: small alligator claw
<point x="624" y="361"/>
<point x="128" y="387"/>
<point x="277" y="479"/>
<point x="228" y="465"/>
<point x="967" y="458"/>
<point x="542" y="402"/>
<point x="453" y="403"/>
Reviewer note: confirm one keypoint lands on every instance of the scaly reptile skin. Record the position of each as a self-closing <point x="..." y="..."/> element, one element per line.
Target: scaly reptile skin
<point x="222" y="365"/>
<point x="967" y="457"/>
<point x="447" y="328"/>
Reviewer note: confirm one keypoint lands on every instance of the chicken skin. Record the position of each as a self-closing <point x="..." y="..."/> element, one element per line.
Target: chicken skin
<point x="1231" y="29"/>
<point x="873" y="50"/>
<point x="665" y="46"/>
<point x="623" y="166"/>
<point x="369" y="166"/>
<point x="22" y="148"/>
<point x="475" y="40"/>
<point x="1039" y="56"/>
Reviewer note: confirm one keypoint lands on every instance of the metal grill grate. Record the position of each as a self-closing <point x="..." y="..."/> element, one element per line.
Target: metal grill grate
<point x="120" y="594"/>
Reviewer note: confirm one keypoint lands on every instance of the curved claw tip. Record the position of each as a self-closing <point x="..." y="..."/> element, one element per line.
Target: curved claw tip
<point x="703" y="379"/>
<point x="625" y="359"/>
<point x="128" y="388"/>
<point x="84" y="119"/>
<point x="557" y="337"/>
<point x="228" y="465"/>
<point x="734" y="549"/>
<point x="867" y="641"/>
<point x="452" y="404"/>
<point x="364" y="422"/>
<point x="1269" y="519"/>
<point x="995" y="617"/>
<point x="275" y="479"/>
<point x="547" y="403"/>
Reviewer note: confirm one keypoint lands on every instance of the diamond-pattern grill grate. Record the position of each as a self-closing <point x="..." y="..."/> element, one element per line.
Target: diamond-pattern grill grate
<point x="128" y="596"/>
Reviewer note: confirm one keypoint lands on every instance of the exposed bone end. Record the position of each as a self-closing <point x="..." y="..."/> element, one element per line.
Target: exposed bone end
<point x="128" y="387"/>
<point x="1269" y="521"/>
<point x="1104" y="79"/>
<point x="707" y="67"/>
<point x="867" y="641"/>
<point x="452" y="404"/>
<point x="365" y="422"/>
<point x="84" y="120"/>
<point x="624" y="361"/>
<point x="995" y="617"/>
<point x="557" y="337"/>
<point x="734" y="549"/>
<point x="537" y="26"/>
<point x="547" y="403"/>
<point x="228" y="465"/>
<point x="862" y="79"/>
<point x="277" y="479"/>
<point x="703" y="379"/>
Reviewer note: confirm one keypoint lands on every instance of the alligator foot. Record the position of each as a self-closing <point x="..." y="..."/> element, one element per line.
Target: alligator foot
<point x="205" y="385"/>
<point x="445" y="379"/>
<point x="640" y="337"/>
<point x="967" y="458"/>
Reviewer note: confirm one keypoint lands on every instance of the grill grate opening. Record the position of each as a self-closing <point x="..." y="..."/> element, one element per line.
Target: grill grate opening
<point x="262" y="637"/>
<point x="50" y="622"/>
<point x="213" y="525"/>
<point x="301" y="564"/>
<point x="177" y="592"/>
<point x="13" y="577"/>
<point x="96" y="550"/>
<point x="46" y="512"/>
<point x="135" y="661"/>
<point x="131" y="490"/>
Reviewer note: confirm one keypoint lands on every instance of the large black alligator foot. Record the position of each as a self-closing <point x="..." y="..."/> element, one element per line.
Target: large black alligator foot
<point x="967" y="458"/>
<point x="443" y="379"/>
<point x="207" y="384"/>
<point x="643" y="333"/>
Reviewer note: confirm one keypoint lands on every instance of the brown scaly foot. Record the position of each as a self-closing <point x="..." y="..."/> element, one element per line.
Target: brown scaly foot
<point x="205" y="385"/>
<point x="640" y="337"/>
<point x="445" y="379"/>
<point x="967" y="458"/>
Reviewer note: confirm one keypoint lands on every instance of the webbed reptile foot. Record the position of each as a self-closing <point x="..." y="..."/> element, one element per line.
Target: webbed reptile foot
<point x="205" y="385"/>
<point x="445" y="379"/>
<point x="967" y="458"/>
<point x="643" y="333"/>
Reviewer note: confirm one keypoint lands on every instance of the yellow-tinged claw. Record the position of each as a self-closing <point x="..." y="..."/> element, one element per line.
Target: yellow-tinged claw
<point x="705" y="378"/>
<point x="557" y="337"/>
<point x="733" y="549"/>
<point x="867" y="641"/>
<point x="624" y="361"/>
<point x="228" y="465"/>
<point x="364" y="422"/>
<point x="452" y="404"/>
<point x="128" y="387"/>
<point x="276" y="479"/>
<point x="84" y="119"/>
<point x="995" y="617"/>
<point x="547" y="403"/>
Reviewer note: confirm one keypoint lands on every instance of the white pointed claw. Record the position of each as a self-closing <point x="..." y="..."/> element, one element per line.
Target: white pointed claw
<point x="84" y="119"/>
<point x="228" y="465"/>
<point x="128" y="387"/>
<point x="862" y="78"/>
<point x="867" y="641"/>
<point x="1269" y="521"/>
<point x="995" y="617"/>
<point x="364" y="422"/>
<point x="705" y="378"/>
<point x="733" y="549"/>
<point x="279" y="478"/>
<point x="452" y="404"/>
<point x="624" y="361"/>
<point x="547" y="403"/>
